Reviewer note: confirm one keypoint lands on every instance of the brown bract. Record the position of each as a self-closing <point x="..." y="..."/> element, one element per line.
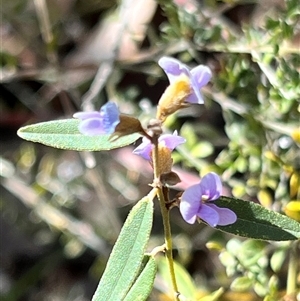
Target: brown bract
<point x="127" y="125"/>
<point x="171" y="178"/>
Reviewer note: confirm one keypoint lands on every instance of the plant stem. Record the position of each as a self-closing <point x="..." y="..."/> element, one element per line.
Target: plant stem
<point x="292" y="270"/>
<point x="168" y="240"/>
<point x="165" y="217"/>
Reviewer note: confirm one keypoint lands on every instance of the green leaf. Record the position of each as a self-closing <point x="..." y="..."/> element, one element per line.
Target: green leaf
<point x="214" y="296"/>
<point x="127" y="255"/>
<point x="64" y="134"/>
<point x="255" y="221"/>
<point x="202" y="149"/>
<point x="241" y="284"/>
<point x="184" y="280"/>
<point x="250" y="252"/>
<point x="277" y="259"/>
<point x="142" y="286"/>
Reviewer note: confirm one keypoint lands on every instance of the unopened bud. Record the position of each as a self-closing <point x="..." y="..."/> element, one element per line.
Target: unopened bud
<point x="154" y="127"/>
<point x="170" y="178"/>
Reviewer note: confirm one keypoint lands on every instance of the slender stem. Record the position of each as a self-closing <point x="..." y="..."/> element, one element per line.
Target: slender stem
<point x="166" y="219"/>
<point x="292" y="270"/>
<point x="168" y="241"/>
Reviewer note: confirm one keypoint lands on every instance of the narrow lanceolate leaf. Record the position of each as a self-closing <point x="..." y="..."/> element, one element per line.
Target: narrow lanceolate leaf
<point x="255" y="221"/>
<point x="64" y="134"/>
<point x="126" y="259"/>
<point x="143" y="284"/>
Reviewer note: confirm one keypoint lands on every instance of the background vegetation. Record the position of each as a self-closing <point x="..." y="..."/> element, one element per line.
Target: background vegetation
<point x="61" y="211"/>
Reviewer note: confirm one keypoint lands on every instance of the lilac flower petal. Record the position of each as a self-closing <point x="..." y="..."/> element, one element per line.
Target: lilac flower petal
<point x="198" y="76"/>
<point x="111" y="113"/>
<point x="190" y="203"/>
<point x="91" y="127"/>
<point x="171" y="141"/>
<point x="188" y="213"/>
<point x="226" y="216"/>
<point x="201" y="75"/>
<point x="200" y="195"/>
<point x="170" y="65"/>
<point x="211" y="186"/>
<point x="195" y="97"/>
<point x="173" y="68"/>
<point x="111" y="117"/>
<point x="99" y="123"/>
<point x="209" y="215"/>
<point x="144" y="149"/>
<point x="87" y="115"/>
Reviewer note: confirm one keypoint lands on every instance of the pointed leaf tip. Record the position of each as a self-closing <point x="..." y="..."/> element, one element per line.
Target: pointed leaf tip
<point x="255" y="221"/>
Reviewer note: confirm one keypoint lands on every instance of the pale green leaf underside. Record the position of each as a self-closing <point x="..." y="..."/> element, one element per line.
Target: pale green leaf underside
<point x="126" y="259"/>
<point x="255" y="221"/>
<point x="64" y="134"/>
<point x="142" y="286"/>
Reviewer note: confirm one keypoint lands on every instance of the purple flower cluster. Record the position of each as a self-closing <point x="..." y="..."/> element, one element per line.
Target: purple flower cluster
<point x="197" y="202"/>
<point x="198" y="76"/>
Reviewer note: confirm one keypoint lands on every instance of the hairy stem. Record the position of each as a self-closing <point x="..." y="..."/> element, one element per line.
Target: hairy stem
<point x="166" y="219"/>
<point x="168" y="241"/>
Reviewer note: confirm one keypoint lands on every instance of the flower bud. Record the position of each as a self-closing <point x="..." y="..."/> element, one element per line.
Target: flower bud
<point x="170" y="178"/>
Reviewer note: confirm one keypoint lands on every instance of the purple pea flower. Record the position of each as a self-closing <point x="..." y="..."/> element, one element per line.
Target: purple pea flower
<point x="170" y="141"/>
<point x="196" y="201"/>
<point x="99" y="123"/>
<point x="198" y="76"/>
